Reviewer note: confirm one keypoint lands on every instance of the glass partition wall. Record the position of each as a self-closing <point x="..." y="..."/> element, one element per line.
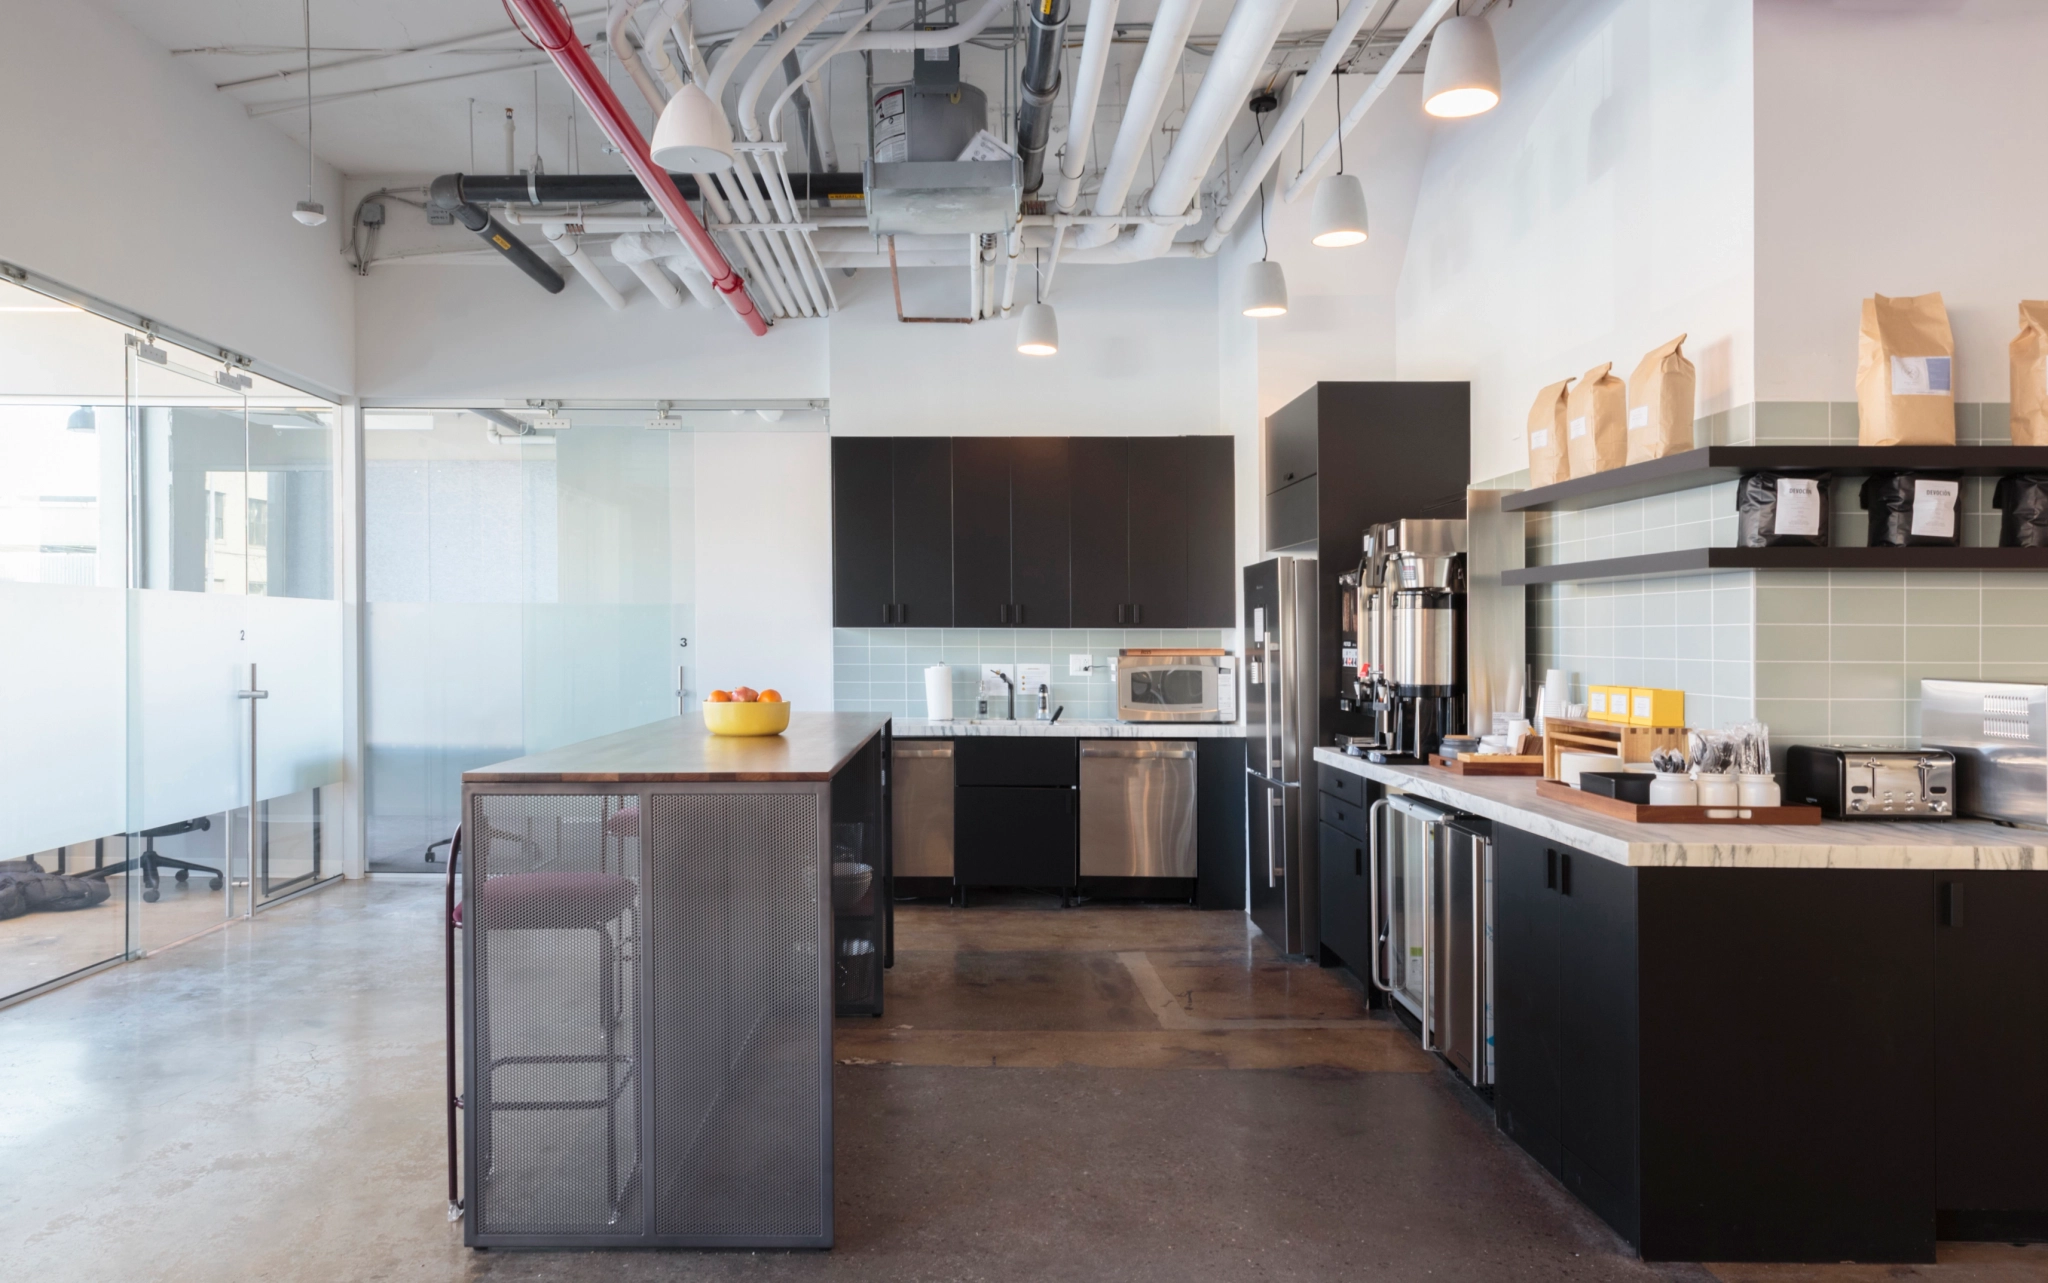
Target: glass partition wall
<point x="165" y="523"/>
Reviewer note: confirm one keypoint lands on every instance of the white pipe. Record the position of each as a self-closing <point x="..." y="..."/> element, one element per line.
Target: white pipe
<point x="1246" y="189"/>
<point x="817" y="64"/>
<point x="1015" y="245"/>
<point x="1095" y="46"/>
<point x="792" y="36"/>
<point x="691" y="272"/>
<point x="950" y="259"/>
<point x="749" y="36"/>
<point x="1156" y="70"/>
<point x="632" y="250"/>
<point x="565" y="245"/>
<point x="1382" y="81"/>
<point x="615" y="35"/>
<point x="905" y="40"/>
<point x="685" y="28"/>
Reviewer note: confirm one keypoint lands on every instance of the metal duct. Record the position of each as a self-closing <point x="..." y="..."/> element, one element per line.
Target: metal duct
<point x="446" y="193"/>
<point x="1041" y="84"/>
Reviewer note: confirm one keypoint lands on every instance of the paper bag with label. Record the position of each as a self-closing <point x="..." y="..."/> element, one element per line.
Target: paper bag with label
<point x="1905" y="373"/>
<point x="1548" y="462"/>
<point x="1660" y="395"/>
<point x="1596" y="422"/>
<point x="2030" y="375"/>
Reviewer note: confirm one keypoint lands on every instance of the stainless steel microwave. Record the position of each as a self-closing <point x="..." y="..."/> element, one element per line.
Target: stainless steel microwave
<point x="1176" y="686"/>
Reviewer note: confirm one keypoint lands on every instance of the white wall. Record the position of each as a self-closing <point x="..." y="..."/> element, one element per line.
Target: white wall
<point x="131" y="179"/>
<point x="1899" y="151"/>
<point x="1603" y="208"/>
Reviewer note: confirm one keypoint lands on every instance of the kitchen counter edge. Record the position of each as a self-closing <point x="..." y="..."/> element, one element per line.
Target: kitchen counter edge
<point x="905" y="728"/>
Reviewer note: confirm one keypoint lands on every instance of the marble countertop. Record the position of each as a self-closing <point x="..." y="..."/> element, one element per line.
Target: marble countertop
<point x="1869" y="844"/>
<point x="1072" y="728"/>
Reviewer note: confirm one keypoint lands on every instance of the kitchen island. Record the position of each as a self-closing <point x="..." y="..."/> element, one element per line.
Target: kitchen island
<point x="657" y="922"/>
<point x="1740" y="1042"/>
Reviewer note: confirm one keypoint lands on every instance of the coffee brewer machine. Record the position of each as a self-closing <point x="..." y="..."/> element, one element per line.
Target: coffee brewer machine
<point x="1407" y="621"/>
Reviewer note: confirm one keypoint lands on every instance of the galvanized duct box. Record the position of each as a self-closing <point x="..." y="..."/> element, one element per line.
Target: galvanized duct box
<point x="942" y="197"/>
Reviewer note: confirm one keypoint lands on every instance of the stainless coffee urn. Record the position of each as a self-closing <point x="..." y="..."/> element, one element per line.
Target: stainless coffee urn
<point x="1411" y="628"/>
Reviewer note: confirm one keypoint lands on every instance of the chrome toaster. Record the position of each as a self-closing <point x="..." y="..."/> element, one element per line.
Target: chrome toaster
<point x="1872" y="783"/>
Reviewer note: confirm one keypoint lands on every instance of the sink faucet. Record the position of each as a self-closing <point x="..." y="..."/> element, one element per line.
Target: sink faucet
<point x="1011" y="683"/>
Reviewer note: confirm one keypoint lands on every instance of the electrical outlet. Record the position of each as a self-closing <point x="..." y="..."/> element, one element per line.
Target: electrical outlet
<point x="1078" y="665"/>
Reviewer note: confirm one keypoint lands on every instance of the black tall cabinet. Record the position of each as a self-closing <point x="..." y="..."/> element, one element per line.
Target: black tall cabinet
<point x="892" y="531"/>
<point x="1010" y="532"/>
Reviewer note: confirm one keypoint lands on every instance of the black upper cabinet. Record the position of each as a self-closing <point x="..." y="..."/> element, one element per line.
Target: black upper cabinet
<point x="1159" y="533"/>
<point x="1010" y="532"/>
<point x="863" y="547"/>
<point x="922" y="468"/>
<point x="1101" y="558"/>
<point x="1041" y="542"/>
<point x="981" y="532"/>
<point x="1212" y="530"/>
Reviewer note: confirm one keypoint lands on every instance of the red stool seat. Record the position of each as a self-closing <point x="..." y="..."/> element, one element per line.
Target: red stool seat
<point x="552" y="900"/>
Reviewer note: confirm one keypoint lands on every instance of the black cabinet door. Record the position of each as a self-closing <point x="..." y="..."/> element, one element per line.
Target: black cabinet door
<point x="922" y="478"/>
<point x="1598" y="1070"/>
<point x="1040" y="541"/>
<point x="1526" y="1092"/>
<point x="1212" y="531"/>
<point x="1346" y="907"/>
<point x="1291" y="440"/>
<point x="863" y="566"/>
<point x="1100" y="468"/>
<point x="1991" y="1048"/>
<point x="981" y="532"/>
<point x="1004" y="761"/>
<point x="1219" y="824"/>
<point x="1015" y="837"/>
<point x="1159" y="532"/>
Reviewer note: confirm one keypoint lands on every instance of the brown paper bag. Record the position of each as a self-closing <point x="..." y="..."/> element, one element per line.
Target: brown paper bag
<point x="2030" y="375"/>
<point x="1660" y="395"/>
<point x="1596" y="422"/>
<point x="1905" y="373"/>
<point x="1548" y="463"/>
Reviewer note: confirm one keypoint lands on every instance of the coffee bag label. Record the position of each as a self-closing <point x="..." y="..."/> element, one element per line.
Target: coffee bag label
<point x="1578" y="427"/>
<point x="1540" y="439"/>
<point x="1798" y="506"/>
<point x="1934" y="507"/>
<point x="1638" y="417"/>
<point x="1920" y="375"/>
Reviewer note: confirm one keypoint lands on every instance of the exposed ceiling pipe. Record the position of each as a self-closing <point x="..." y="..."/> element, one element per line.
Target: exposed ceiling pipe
<point x="615" y="35"/>
<point x="749" y="36"/>
<point x="1147" y="96"/>
<point x="633" y="251"/>
<point x="554" y="35"/>
<point x="1246" y="189"/>
<point x="654" y="50"/>
<point x="792" y="36"/>
<point x="1039" y="86"/>
<point x="909" y="38"/>
<point x="1382" y="81"/>
<point x="817" y="64"/>
<point x="446" y="194"/>
<point x="1096" y="42"/>
<point x="691" y="275"/>
<point x="565" y="244"/>
<point x="685" y="28"/>
<point x="555" y="189"/>
<point x="807" y="120"/>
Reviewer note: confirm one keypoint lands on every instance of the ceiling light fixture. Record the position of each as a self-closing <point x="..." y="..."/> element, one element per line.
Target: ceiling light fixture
<point x="1265" y="285"/>
<point x="309" y="211"/>
<point x="693" y="136"/>
<point x="1337" y="218"/>
<point x="1463" y="74"/>
<point x="1038" y="326"/>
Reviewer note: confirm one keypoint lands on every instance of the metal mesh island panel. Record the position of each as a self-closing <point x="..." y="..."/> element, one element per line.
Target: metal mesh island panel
<point x="737" y="998"/>
<point x="553" y="920"/>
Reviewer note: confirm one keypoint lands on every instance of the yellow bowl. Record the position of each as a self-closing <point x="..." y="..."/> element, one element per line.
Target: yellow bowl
<point x="746" y="719"/>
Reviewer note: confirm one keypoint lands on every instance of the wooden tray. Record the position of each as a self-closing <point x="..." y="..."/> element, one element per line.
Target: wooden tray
<point x="1616" y="809"/>
<point x="1492" y="764"/>
<point x="1632" y="743"/>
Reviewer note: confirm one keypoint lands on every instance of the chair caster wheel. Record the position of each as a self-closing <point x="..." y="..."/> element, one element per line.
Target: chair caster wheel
<point x="213" y="884"/>
<point x="184" y="875"/>
<point x="150" y="894"/>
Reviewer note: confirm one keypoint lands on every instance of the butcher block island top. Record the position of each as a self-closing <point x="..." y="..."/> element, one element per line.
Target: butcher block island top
<point x="679" y="750"/>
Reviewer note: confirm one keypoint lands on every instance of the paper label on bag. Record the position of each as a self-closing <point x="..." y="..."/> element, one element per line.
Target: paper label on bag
<point x="1798" y="506"/>
<point x="1539" y="439"/>
<point x="1638" y="417"/>
<point x="1934" y="508"/>
<point x="1577" y="427"/>
<point x="1920" y="375"/>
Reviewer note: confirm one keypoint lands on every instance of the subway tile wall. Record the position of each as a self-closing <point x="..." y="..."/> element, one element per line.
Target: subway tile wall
<point x="881" y="670"/>
<point x="1689" y="632"/>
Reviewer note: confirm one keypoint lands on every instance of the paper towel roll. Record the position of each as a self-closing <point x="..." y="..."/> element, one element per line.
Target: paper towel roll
<point x="938" y="692"/>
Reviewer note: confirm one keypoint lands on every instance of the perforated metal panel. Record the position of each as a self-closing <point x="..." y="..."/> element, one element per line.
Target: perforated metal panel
<point x="740" y="1065"/>
<point x="553" y="919"/>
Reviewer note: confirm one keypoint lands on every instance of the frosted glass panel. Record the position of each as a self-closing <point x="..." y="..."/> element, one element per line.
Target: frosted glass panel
<point x="296" y="646"/>
<point x="63" y="757"/>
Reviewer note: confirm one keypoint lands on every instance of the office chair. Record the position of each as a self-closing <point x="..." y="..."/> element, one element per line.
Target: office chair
<point x="149" y="861"/>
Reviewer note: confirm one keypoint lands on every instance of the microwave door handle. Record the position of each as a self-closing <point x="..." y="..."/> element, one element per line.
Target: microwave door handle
<point x="1372" y="880"/>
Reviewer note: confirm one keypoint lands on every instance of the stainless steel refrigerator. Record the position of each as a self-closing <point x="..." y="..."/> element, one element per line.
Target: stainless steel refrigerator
<point x="1280" y="738"/>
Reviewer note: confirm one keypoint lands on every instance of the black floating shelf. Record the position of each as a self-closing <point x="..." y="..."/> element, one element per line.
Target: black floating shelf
<point x="1688" y="561"/>
<point x="1711" y="464"/>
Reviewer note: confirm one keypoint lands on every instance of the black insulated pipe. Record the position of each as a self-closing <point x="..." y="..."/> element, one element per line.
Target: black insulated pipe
<point x="445" y="193"/>
<point x="556" y="189"/>
<point x="1041" y="85"/>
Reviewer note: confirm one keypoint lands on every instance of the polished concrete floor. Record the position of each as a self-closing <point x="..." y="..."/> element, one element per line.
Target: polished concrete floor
<point x="1099" y="1093"/>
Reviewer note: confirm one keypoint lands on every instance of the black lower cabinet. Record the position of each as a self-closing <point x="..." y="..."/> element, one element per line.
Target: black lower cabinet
<point x="1343" y="801"/>
<point x="1219" y="824"/>
<point x="1015" y="837"/>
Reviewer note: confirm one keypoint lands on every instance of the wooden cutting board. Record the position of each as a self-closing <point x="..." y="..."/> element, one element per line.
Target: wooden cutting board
<point x="1492" y="764"/>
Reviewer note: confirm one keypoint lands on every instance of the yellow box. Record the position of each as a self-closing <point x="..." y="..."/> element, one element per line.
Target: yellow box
<point x="1650" y="707"/>
<point x="1607" y="703"/>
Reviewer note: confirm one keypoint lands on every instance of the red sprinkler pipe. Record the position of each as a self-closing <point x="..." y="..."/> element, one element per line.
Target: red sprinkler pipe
<point x="554" y="33"/>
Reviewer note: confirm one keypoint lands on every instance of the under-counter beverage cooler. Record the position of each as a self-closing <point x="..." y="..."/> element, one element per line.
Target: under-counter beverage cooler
<point x="1432" y="913"/>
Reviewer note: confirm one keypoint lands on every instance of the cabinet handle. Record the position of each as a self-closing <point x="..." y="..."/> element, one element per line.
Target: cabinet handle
<point x="1137" y="613"/>
<point x="1550" y="870"/>
<point x="1121" y="611"/>
<point x="1017" y="612"/>
<point x="1003" y="614"/>
<point x="1564" y="873"/>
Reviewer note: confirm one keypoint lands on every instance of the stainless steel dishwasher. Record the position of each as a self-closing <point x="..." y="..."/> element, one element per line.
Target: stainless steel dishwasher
<point x="1138" y="809"/>
<point x="921" y="817"/>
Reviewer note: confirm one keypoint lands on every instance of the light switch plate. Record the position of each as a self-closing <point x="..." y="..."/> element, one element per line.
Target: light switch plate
<point x="1078" y="665"/>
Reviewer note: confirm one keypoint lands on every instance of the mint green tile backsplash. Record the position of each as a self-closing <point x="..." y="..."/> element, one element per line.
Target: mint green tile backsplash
<point x="881" y="670"/>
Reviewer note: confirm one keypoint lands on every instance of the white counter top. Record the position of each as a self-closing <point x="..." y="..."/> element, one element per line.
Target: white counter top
<point x="1870" y="844"/>
<point x="1071" y="728"/>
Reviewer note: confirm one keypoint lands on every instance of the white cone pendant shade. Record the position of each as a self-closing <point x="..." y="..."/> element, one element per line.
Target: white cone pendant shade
<point x="1038" y="330"/>
<point x="1338" y="218"/>
<point x="1265" y="289"/>
<point x="1463" y="75"/>
<point x="311" y="213"/>
<point x="693" y="135"/>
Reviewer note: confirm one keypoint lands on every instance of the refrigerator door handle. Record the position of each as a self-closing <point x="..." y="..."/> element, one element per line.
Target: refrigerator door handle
<point x="1479" y="848"/>
<point x="1276" y="801"/>
<point x="1281" y="688"/>
<point x="1372" y="880"/>
<point x="1432" y="839"/>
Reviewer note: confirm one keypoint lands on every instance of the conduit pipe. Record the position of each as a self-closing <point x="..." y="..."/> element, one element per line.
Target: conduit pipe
<point x="615" y="21"/>
<point x="792" y="36"/>
<point x="691" y="275"/>
<point x="565" y="244"/>
<point x="817" y="64"/>
<point x="908" y="39"/>
<point x="1170" y="30"/>
<point x="446" y="193"/>
<point x="1382" y="81"/>
<point x="685" y="28"/>
<point x="1246" y="189"/>
<point x="749" y="36"/>
<point x="636" y="251"/>
<point x="1096" y="42"/>
<point x="1038" y="87"/>
<point x="553" y="33"/>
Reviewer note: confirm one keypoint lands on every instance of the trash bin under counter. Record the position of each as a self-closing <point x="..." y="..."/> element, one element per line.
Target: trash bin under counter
<point x="922" y="810"/>
<point x="1138" y="809"/>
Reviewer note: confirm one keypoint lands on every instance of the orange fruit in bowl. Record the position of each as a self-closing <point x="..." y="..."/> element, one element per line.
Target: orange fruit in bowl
<point x="721" y="697"/>
<point x="771" y="696"/>
<point x="745" y="694"/>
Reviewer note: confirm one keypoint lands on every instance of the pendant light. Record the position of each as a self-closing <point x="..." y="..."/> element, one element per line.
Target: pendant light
<point x="693" y="136"/>
<point x="309" y="211"/>
<point x="1463" y="74"/>
<point x="1337" y="218"/>
<point x="1265" y="285"/>
<point x="1038" y="328"/>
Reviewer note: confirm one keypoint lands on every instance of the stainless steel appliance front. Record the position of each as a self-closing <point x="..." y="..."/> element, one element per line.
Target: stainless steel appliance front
<point x="1998" y="732"/>
<point x="1175" y="686"/>
<point x="921" y="814"/>
<point x="1137" y="809"/>
<point x="1431" y="906"/>
<point x="1280" y="721"/>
